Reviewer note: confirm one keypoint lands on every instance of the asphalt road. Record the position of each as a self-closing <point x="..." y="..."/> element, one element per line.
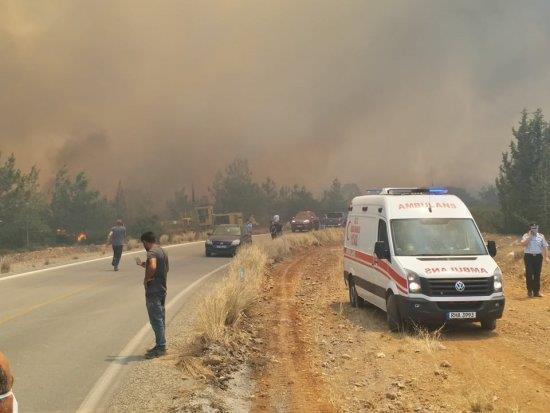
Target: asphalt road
<point x="61" y="329"/>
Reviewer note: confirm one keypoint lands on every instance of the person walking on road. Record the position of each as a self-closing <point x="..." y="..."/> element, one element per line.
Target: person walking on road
<point x="156" y="271"/>
<point x="535" y="248"/>
<point x="116" y="239"/>
<point x="8" y="403"/>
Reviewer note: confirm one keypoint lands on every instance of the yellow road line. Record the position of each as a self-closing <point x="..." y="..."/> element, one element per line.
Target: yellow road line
<point x="27" y="310"/>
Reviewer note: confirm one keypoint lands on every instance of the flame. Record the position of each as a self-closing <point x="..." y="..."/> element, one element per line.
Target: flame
<point x="81" y="237"/>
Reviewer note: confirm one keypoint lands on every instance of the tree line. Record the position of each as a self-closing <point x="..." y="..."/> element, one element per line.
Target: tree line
<point x="30" y="216"/>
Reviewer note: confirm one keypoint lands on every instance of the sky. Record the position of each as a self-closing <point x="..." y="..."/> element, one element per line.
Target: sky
<point x="161" y="95"/>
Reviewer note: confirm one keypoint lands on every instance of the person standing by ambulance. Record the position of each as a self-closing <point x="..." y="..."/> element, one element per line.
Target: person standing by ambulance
<point x="116" y="239"/>
<point x="535" y="248"/>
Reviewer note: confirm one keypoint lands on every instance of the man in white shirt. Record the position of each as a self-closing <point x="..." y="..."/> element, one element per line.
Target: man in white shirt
<point x="535" y="248"/>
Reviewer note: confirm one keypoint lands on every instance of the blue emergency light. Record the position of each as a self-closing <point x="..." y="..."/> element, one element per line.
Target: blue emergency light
<point x="438" y="191"/>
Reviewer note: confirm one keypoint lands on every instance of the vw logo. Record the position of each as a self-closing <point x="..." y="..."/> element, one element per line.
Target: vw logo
<point x="459" y="286"/>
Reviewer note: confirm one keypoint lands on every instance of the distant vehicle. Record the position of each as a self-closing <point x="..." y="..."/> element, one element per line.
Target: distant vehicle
<point x="417" y="253"/>
<point x="226" y="239"/>
<point x="334" y="220"/>
<point x="305" y="221"/>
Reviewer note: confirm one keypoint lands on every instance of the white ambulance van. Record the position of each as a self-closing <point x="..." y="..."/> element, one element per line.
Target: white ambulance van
<point x="417" y="253"/>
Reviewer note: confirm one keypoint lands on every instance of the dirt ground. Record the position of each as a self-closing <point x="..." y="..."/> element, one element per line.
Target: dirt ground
<point x="319" y="354"/>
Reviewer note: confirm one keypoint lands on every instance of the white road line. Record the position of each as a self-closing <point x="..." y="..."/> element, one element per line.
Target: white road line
<point x="73" y="264"/>
<point x="93" y="400"/>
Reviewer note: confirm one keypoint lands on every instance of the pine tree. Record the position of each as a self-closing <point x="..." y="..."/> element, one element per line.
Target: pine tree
<point x="522" y="174"/>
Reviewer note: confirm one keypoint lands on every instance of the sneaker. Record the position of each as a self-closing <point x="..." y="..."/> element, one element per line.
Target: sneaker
<point x="156" y="352"/>
<point x="539" y="295"/>
<point x="116" y="268"/>
<point x="154" y="348"/>
<point x="530" y="294"/>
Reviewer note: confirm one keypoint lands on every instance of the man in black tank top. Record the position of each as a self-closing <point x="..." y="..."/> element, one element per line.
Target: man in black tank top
<point x="156" y="271"/>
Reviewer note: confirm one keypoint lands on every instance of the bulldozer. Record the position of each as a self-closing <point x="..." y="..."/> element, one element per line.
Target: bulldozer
<point x="205" y="219"/>
<point x="235" y="218"/>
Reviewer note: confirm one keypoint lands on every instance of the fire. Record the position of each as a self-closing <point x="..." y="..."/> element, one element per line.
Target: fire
<point x="81" y="237"/>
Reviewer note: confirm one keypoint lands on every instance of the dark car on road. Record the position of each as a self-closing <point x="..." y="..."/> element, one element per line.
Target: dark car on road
<point x="333" y="220"/>
<point x="305" y="221"/>
<point x="226" y="239"/>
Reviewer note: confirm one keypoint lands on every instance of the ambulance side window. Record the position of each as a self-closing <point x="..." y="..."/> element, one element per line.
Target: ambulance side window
<point x="383" y="232"/>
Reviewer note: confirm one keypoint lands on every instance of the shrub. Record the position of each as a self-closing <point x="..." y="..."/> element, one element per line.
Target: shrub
<point x="132" y="244"/>
<point x="236" y="293"/>
<point x="5" y="265"/>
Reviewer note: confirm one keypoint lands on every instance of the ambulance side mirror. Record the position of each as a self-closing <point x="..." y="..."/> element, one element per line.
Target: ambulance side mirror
<point x="382" y="251"/>
<point x="492" y="248"/>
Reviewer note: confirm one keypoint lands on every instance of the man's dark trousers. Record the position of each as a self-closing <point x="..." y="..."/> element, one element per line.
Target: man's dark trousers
<point x="533" y="266"/>
<point x="117" y="253"/>
<point x="157" y="315"/>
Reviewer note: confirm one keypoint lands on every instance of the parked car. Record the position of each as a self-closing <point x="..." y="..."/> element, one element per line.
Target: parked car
<point x="305" y="221"/>
<point x="334" y="220"/>
<point x="226" y="239"/>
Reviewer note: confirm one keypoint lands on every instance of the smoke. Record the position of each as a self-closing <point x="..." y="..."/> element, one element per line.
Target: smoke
<point x="163" y="94"/>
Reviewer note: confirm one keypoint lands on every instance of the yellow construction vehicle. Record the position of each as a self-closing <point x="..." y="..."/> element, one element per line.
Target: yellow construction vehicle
<point x="234" y="218"/>
<point x="204" y="217"/>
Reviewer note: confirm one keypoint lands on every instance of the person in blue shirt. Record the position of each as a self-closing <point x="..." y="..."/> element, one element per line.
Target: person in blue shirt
<point x="535" y="248"/>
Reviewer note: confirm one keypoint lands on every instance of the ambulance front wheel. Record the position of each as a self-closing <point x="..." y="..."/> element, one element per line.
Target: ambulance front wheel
<point x="489" y="324"/>
<point x="395" y="321"/>
<point x="354" y="298"/>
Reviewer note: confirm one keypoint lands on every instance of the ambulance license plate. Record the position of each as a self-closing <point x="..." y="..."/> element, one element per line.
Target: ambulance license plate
<point x="460" y="315"/>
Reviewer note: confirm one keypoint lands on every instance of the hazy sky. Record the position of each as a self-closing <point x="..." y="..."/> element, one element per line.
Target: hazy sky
<point x="160" y="94"/>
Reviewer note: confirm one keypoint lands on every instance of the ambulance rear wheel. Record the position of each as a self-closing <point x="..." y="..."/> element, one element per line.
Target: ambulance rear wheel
<point x="395" y="321"/>
<point x="354" y="298"/>
<point x="489" y="324"/>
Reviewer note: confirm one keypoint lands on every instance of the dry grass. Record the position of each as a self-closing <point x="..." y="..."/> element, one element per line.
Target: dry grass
<point x="429" y="340"/>
<point x="480" y="403"/>
<point x="189" y="236"/>
<point x="177" y="239"/>
<point x="5" y="265"/>
<point x="220" y="311"/>
<point x="237" y="292"/>
<point x="284" y="246"/>
<point x="164" y="239"/>
<point x="132" y="244"/>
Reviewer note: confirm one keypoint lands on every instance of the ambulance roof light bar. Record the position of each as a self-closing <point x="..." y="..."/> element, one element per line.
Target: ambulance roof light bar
<point x="413" y="191"/>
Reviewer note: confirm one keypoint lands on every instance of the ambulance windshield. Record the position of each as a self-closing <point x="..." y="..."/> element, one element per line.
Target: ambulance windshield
<point x="436" y="236"/>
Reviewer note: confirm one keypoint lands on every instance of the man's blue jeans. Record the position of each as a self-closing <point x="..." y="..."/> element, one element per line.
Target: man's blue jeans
<point x="157" y="316"/>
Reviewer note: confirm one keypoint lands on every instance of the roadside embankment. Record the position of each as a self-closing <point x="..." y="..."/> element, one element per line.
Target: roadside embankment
<point x="220" y="357"/>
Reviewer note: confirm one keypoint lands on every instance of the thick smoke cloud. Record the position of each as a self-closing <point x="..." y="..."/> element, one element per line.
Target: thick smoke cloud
<point x="162" y="94"/>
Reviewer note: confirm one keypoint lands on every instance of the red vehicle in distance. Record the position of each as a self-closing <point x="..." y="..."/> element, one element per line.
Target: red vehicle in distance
<point x="305" y="221"/>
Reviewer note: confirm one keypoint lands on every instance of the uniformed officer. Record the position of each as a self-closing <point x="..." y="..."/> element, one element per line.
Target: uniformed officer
<point x="535" y="248"/>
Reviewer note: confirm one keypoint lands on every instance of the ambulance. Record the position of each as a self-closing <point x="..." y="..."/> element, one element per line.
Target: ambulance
<point x="418" y="254"/>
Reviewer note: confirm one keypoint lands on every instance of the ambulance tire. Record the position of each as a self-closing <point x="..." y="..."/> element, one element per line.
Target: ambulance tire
<point x="354" y="298"/>
<point x="489" y="324"/>
<point x="395" y="321"/>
